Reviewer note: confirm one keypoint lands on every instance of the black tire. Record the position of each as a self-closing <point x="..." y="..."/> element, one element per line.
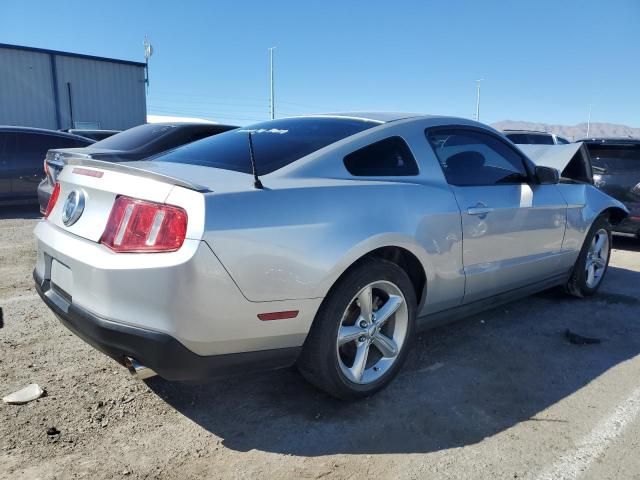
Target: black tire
<point x="577" y="285"/>
<point x="319" y="362"/>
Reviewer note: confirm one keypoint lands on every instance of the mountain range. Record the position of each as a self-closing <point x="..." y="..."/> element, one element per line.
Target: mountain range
<point x="572" y="132"/>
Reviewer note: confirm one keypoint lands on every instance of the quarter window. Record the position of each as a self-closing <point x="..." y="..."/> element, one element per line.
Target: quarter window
<point x="470" y="157"/>
<point x="390" y="157"/>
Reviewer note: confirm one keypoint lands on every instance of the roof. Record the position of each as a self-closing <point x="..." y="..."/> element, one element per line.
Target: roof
<point x="534" y="132"/>
<point x="44" y="131"/>
<point x="611" y="141"/>
<point x="70" y="54"/>
<point x="382" y="117"/>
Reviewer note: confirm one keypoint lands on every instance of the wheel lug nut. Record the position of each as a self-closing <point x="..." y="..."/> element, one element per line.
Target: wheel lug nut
<point x="362" y="339"/>
<point x="363" y="324"/>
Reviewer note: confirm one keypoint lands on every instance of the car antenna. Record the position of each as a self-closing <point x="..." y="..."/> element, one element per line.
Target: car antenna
<point x="256" y="181"/>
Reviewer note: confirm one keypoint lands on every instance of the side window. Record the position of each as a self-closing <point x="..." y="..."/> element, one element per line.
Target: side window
<point x="390" y="157"/>
<point x="470" y="157"/>
<point x="562" y="141"/>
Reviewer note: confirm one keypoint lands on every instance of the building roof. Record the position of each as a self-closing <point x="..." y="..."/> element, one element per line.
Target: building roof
<point x="70" y="54"/>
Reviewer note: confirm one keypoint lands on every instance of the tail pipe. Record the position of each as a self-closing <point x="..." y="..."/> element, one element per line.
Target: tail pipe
<point x="138" y="370"/>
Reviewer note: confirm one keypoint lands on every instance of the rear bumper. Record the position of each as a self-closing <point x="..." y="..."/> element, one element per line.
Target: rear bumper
<point x="158" y="351"/>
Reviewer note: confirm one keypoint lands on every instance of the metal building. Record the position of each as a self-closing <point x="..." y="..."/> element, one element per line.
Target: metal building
<point x="59" y="90"/>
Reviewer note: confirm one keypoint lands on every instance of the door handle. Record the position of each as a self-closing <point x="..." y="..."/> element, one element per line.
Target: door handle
<point x="479" y="209"/>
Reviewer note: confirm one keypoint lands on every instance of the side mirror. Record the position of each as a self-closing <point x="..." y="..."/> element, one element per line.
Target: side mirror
<point x="547" y="175"/>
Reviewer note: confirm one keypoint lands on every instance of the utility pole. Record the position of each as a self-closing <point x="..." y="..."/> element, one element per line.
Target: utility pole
<point x="272" y="106"/>
<point x="478" y="99"/>
<point x="148" y="51"/>
<point x="589" y="121"/>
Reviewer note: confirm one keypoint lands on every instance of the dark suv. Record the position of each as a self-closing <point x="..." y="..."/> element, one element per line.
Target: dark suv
<point x="616" y="170"/>
<point x="22" y="152"/>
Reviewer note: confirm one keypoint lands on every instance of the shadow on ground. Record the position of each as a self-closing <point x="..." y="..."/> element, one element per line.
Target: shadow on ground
<point x="626" y="243"/>
<point x="461" y="383"/>
<point x="25" y="212"/>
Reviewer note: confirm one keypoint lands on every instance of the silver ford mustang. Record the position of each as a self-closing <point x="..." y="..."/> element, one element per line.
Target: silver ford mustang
<point x="324" y="241"/>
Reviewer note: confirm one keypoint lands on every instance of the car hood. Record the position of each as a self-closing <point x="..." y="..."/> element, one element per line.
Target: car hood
<point x="571" y="160"/>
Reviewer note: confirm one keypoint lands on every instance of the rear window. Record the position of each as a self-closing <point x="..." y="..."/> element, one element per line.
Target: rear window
<point x="388" y="157"/>
<point x="530" y="139"/>
<point x="615" y="158"/>
<point x="276" y="143"/>
<point x="134" y="137"/>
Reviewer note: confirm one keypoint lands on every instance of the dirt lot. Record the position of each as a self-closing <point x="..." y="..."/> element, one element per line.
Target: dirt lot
<point x="499" y="395"/>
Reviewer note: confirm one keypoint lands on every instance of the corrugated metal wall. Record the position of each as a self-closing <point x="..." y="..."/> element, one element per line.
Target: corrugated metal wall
<point x="110" y="94"/>
<point x="26" y="89"/>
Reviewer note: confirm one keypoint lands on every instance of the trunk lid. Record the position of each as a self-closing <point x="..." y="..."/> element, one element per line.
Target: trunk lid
<point x="98" y="183"/>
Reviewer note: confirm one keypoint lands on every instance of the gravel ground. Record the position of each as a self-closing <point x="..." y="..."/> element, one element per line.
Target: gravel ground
<point x="498" y="395"/>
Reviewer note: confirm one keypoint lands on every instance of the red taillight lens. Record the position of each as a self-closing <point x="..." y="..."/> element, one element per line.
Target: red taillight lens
<point x="141" y="226"/>
<point x="52" y="200"/>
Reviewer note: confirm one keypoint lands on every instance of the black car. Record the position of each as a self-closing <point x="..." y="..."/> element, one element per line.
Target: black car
<point x="96" y="135"/>
<point x="616" y="170"/>
<point x="22" y="152"/>
<point x="137" y="143"/>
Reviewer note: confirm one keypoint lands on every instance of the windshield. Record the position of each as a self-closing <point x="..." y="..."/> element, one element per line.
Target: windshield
<point x="276" y="143"/>
<point x="134" y="137"/>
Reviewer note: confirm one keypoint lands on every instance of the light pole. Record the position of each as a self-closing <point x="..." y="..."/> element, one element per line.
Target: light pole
<point x="148" y="51"/>
<point x="478" y="99"/>
<point x="589" y="121"/>
<point x="272" y="106"/>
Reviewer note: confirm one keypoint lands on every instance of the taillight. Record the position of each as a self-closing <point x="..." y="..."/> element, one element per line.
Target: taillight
<point x="141" y="226"/>
<point x="52" y="200"/>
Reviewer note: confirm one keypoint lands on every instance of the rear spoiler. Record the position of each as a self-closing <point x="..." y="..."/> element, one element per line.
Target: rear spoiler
<point x="85" y="160"/>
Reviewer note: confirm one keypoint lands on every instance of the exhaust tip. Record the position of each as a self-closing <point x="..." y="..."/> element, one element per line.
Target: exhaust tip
<point x="138" y="370"/>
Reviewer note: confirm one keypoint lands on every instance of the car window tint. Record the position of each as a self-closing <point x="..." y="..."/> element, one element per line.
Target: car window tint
<point x="615" y="158"/>
<point x="135" y="137"/>
<point x="469" y="157"/>
<point x="31" y="148"/>
<point x="276" y="143"/>
<point x="388" y="157"/>
<point x="530" y="138"/>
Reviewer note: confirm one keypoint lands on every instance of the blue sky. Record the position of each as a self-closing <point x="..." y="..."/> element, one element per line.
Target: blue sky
<point x="540" y="60"/>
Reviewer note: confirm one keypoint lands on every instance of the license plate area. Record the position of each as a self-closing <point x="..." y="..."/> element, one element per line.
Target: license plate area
<point x="61" y="280"/>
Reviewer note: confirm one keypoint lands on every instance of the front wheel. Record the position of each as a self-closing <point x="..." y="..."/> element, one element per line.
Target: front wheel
<point x="362" y="332"/>
<point x="593" y="261"/>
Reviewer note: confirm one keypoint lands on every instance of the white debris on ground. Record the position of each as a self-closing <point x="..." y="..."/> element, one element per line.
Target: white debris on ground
<point x="29" y="393"/>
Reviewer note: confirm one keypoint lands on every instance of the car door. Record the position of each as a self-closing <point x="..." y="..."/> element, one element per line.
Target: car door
<point x="29" y="152"/>
<point x="512" y="227"/>
<point x="5" y="167"/>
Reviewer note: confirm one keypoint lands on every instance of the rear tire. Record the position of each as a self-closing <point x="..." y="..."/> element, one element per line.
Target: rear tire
<point x="593" y="261"/>
<point x="362" y="332"/>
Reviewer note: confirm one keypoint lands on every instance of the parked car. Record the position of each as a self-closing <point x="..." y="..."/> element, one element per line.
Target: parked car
<point x="133" y="144"/>
<point x="96" y="135"/>
<point x="22" y="151"/>
<point x="533" y="137"/>
<point x="616" y="171"/>
<point x="324" y="241"/>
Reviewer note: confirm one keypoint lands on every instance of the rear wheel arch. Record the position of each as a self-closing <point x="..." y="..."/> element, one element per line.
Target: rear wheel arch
<point x="401" y="257"/>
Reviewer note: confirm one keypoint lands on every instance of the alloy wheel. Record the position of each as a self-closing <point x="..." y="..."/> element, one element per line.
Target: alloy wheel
<point x="597" y="257"/>
<point x="372" y="332"/>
